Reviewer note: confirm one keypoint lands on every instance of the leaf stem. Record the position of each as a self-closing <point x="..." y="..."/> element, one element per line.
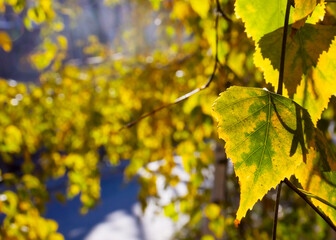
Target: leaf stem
<point x="283" y="49"/>
<point x="304" y="197"/>
<point x="276" y="210"/>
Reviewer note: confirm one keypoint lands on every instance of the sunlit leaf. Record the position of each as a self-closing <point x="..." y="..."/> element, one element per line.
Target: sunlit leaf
<point x="318" y="177"/>
<point x="262" y="16"/>
<point x="201" y="7"/>
<point x="302" y="9"/>
<point x="265" y="136"/>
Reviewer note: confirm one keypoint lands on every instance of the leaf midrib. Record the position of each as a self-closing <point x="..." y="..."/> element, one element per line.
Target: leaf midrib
<point x="266" y="136"/>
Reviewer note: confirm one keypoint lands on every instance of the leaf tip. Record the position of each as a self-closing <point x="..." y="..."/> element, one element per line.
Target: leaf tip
<point x="236" y="222"/>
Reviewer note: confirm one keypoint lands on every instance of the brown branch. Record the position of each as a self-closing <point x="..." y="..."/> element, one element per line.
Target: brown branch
<point x="220" y="10"/>
<point x="304" y="197"/>
<point x="283" y="49"/>
<point x="276" y="210"/>
<point x="279" y="91"/>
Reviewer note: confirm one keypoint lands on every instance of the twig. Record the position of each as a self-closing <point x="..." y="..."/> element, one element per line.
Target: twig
<point x="279" y="91"/>
<point x="188" y="95"/>
<point x="276" y="210"/>
<point x="308" y="194"/>
<point x="304" y="197"/>
<point x="283" y="49"/>
<point x="220" y="10"/>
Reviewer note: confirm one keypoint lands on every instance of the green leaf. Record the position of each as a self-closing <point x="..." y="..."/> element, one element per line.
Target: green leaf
<point x="263" y="16"/>
<point x="265" y="137"/>
<point x="302" y="52"/>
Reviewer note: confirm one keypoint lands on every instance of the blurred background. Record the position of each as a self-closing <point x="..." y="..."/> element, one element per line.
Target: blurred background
<point x="74" y="73"/>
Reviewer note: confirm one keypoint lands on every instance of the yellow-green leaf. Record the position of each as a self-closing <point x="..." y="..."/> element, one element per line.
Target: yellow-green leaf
<point x="265" y="137"/>
<point x="263" y="16"/>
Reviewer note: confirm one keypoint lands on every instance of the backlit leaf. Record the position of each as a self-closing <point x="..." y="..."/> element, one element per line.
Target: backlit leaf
<point x="302" y="9"/>
<point x="317" y="89"/>
<point x="201" y="7"/>
<point x="265" y="137"/>
<point x="317" y="176"/>
<point x="262" y="16"/>
<point x="302" y="52"/>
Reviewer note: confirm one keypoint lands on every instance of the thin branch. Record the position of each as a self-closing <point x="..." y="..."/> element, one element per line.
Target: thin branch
<point x="276" y="210"/>
<point x="304" y="197"/>
<point x="283" y="49"/>
<point x="280" y="85"/>
<point x="188" y="95"/>
<point x="220" y="10"/>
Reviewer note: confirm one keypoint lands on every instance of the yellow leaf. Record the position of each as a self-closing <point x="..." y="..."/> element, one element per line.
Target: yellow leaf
<point x="207" y="237"/>
<point x="5" y="41"/>
<point x="13" y="139"/>
<point x="212" y="211"/>
<point x="201" y="7"/>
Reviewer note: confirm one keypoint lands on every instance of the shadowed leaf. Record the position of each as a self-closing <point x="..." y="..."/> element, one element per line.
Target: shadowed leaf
<point x="318" y="87"/>
<point x="304" y="47"/>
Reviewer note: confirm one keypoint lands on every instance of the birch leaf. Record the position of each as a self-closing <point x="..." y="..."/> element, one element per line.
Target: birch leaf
<point x="314" y="95"/>
<point x="303" y="49"/>
<point x="318" y="177"/>
<point x="263" y="16"/>
<point x="265" y="136"/>
<point x="304" y="8"/>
